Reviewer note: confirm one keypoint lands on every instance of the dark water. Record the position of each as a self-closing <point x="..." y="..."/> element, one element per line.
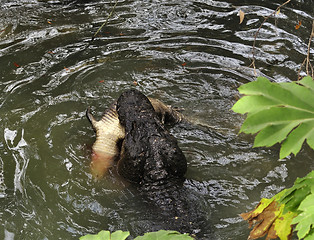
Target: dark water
<point x="191" y="54"/>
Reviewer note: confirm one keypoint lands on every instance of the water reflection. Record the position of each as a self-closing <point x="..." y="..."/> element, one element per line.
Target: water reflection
<point x="191" y="54"/>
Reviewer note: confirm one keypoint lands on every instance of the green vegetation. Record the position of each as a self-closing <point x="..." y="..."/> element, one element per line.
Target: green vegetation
<point x="119" y="235"/>
<point x="281" y="113"/>
<point x="278" y="112"/>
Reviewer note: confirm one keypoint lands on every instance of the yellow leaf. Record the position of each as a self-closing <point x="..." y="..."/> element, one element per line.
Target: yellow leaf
<point x="283" y="226"/>
<point x="241" y="14"/>
<point x="256" y="211"/>
<point x="278" y="12"/>
<point x="264" y="221"/>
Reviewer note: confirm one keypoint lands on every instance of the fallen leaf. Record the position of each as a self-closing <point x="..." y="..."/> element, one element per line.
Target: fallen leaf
<point x="278" y="12"/>
<point x="49" y="22"/>
<point x="183" y="64"/>
<point x="16" y="65"/>
<point x="241" y="15"/>
<point x="135" y="83"/>
<point x="50" y="52"/>
<point x="66" y="69"/>
<point x="101" y="81"/>
<point x="298" y="25"/>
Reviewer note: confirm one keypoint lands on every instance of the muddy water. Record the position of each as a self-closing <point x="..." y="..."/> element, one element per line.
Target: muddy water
<point x="191" y="54"/>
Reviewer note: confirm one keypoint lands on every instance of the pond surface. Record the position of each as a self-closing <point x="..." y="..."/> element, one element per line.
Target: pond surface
<point x="190" y="54"/>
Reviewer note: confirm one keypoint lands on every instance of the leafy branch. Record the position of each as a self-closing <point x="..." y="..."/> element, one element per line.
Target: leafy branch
<point x="120" y="235"/>
<point x="276" y="216"/>
<point x="278" y="112"/>
<point x="281" y="112"/>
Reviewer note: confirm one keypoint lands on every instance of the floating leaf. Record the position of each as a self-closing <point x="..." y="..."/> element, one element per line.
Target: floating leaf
<point x="298" y="25"/>
<point x="106" y="235"/>
<point x="241" y="15"/>
<point x="164" y="235"/>
<point x="278" y="112"/>
<point x="16" y="65"/>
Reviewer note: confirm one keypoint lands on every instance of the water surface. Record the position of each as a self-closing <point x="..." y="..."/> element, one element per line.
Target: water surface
<point x="190" y="54"/>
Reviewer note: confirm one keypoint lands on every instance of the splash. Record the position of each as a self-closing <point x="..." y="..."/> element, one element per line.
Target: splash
<point x="18" y="154"/>
<point x="2" y="184"/>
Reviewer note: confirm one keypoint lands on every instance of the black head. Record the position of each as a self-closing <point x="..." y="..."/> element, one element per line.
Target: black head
<point x="132" y="105"/>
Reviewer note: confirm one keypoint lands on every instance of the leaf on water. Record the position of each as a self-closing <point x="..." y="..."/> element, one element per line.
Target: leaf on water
<point x="16" y="65"/>
<point x="241" y="15"/>
<point x="298" y="25"/>
<point x="278" y="112"/>
<point x="164" y="235"/>
<point x="106" y="235"/>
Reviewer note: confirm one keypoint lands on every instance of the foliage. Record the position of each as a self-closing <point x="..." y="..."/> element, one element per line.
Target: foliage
<point x="278" y="112"/>
<point x="106" y="235"/>
<point x="164" y="235"/>
<point x="275" y="216"/>
<point x="281" y="112"/>
<point x="119" y="235"/>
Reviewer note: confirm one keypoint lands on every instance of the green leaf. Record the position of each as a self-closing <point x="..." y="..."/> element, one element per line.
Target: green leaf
<point x="278" y="112"/>
<point x="106" y="235"/>
<point x="307" y="82"/>
<point x="164" y="235"/>
<point x="273" y="134"/>
<point x="305" y="220"/>
<point x="276" y="216"/>
<point x="119" y="235"/>
<point x="294" y="141"/>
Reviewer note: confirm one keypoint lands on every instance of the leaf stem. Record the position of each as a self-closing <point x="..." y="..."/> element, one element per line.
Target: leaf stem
<point x="258" y="30"/>
<point x="106" y="21"/>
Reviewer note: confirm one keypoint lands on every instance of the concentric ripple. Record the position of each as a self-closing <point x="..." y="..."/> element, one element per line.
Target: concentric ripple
<point x="191" y="54"/>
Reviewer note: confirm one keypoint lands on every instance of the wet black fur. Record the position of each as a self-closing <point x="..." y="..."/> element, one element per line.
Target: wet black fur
<point x="151" y="158"/>
<point x="149" y="154"/>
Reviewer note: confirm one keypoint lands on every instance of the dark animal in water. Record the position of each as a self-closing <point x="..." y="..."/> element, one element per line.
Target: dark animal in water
<point x="148" y="156"/>
<point x="109" y="132"/>
<point x="149" y="153"/>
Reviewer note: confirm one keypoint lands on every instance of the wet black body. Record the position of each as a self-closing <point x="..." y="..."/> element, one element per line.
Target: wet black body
<point x="149" y="154"/>
<point x="151" y="158"/>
